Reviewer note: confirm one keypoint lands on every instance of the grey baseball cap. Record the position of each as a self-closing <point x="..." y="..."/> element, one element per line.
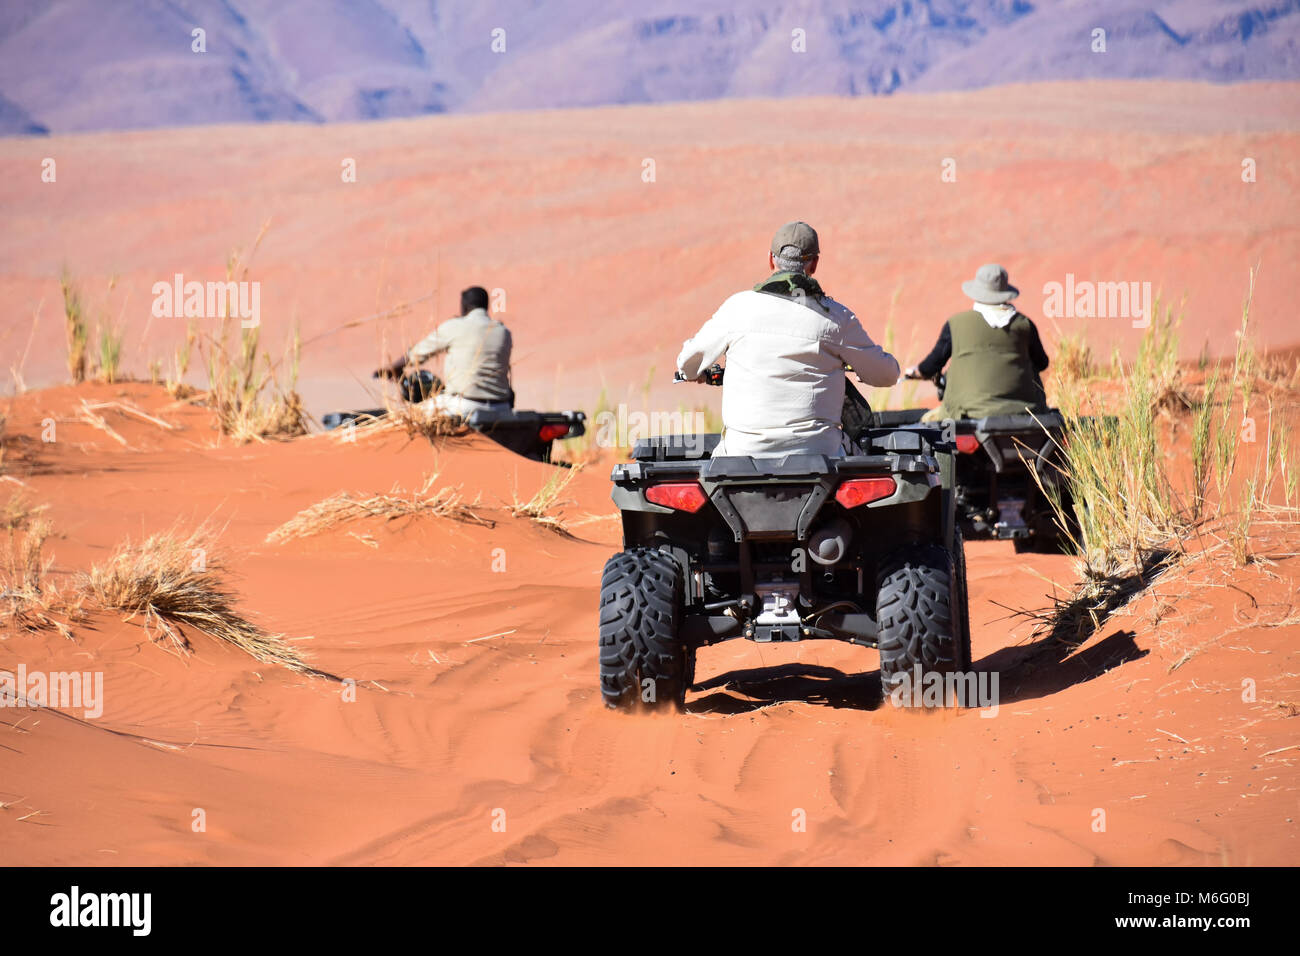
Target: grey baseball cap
<point x="800" y="235"/>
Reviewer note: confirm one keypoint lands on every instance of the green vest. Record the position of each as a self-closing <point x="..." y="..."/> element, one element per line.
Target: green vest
<point x="991" y="372"/>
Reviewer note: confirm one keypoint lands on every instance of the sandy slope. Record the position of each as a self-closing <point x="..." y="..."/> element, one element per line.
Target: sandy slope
<point x="605" y="274"/>
<point x="449" y="728"/>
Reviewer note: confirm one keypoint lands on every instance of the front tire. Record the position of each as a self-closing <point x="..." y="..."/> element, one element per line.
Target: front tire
<point x="642" y="658"/>
<point x="917" y="629"/>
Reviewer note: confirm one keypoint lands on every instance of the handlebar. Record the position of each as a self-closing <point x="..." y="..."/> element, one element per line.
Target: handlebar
<point x="710" y="376"/>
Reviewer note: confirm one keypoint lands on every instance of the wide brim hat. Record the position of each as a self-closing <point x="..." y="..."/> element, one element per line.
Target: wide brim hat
<point x="990" y="286"/>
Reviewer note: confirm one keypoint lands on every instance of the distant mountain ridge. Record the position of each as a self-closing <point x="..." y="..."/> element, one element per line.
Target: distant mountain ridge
<point x="70" y="65"/>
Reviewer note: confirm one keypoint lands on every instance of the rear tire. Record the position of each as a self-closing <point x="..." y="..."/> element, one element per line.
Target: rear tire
<point x="642" y="659"/>
<point x="918" y="591"/>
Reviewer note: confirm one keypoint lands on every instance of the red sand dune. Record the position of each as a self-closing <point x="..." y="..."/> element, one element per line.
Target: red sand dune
<point x="449" y="729"/>
<point x="606" y="274"/>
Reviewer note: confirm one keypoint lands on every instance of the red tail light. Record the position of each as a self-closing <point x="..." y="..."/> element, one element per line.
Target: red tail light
<point x="967" y="444"/>
<point x="687" y="496"/>
<point x="552" y="432"/>
<point x="861" y="491"/>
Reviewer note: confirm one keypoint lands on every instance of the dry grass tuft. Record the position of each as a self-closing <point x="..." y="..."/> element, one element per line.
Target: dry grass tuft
<point x="175" y="583"/>
<point x="18" y="512"/>
<point x="346" y="507"/>
<point x="76" y="327"/>
<point x="1133" y="521"/>
<point x="244" y="388"/>
<point x="175" y="382"/>
<point x="1074" y="359"/>
<point x="418" y="422"/>
<point x="537" y="507"/>
<point x="244" y="384"/>
<point x="28" y="600"/>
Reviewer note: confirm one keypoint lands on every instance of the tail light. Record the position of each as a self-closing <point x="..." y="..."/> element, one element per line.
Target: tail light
<point x="861" y="491"/>
<point x="684" y="496"/>
<point x="967" y="444"/>
<point x="552" y="432"/>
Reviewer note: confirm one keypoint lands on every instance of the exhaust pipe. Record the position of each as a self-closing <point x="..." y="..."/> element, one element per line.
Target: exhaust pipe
<point x="830" y="543"/>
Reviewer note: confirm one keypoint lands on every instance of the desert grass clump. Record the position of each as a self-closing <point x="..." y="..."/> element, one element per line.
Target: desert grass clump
<point x="1203" y="443"/>
<point x="346" y="507"/>
<point x="1158" y="361"/>
<point x="76" y="328"/>
<point x="244" y="388"/>
<point x="417" y="420"/>
<point x="1280" y="460"/>
<point x="1074" y="360"/>
<point x="176" y="582"/>
<point x="174" y="380"/>
<point x="1126" y="509"/>
<point x="29" y="601"/>
<point x="244" y="384"/>
<point x="1132" y="520"/>
<point x="110" y="353"/>
<point x="538" y="507"/>
<point x="18" y="513"/>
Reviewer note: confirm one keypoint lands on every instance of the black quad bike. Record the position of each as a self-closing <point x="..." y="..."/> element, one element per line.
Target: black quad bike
<point x="531" y="434"/>
<point x="1009" y="467"/>
<point x="864" y="549"/>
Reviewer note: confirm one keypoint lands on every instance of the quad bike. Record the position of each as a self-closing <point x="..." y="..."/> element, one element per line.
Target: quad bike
<point x="864" y="549"/>
<point x="1009" y="467"/>
<point x="530" y="434"/>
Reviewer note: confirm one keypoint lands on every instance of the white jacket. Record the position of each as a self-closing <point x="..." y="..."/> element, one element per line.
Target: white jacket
<point x="784" y="388"/>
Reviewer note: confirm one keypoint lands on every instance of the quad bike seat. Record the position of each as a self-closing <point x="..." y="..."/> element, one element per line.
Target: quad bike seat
<point x="675" y="447"/>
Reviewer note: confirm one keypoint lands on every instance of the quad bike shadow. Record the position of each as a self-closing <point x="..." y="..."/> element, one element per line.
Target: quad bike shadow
<point x="744" y="691"/>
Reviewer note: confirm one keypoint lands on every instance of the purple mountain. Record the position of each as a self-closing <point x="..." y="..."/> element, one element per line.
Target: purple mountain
<point x="68" y="65"/>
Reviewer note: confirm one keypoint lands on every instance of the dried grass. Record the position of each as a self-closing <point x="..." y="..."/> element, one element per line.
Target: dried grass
<point x="537" y="507"/>
<point x="175" y="583"/>
<point x="1133" y="521"/>
<point x="1074" y="360"/>
<point x="29" y="601"/>
<point x="416" y="421"/>
<point x="245" y="387"/>
<point x="76" y="328"/>
<point x="346" y="507"/>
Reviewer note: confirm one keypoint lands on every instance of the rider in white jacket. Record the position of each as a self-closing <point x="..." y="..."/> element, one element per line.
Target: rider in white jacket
<point x="787" y="345"/>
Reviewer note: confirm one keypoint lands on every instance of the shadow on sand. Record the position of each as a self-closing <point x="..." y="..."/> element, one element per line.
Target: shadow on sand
<point x="1047" y="665"/>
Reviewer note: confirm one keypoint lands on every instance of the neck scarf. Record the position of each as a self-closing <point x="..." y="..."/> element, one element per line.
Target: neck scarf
<point x="795" y="286"/>
<point x="998" y="316"/>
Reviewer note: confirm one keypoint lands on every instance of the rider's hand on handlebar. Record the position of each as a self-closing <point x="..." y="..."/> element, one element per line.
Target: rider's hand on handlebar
<point x="393" y="371"/>
<point x="709" y="376"/>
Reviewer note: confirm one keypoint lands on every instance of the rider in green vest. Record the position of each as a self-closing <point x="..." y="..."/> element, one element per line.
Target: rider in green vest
<point x="995" y="352"/>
